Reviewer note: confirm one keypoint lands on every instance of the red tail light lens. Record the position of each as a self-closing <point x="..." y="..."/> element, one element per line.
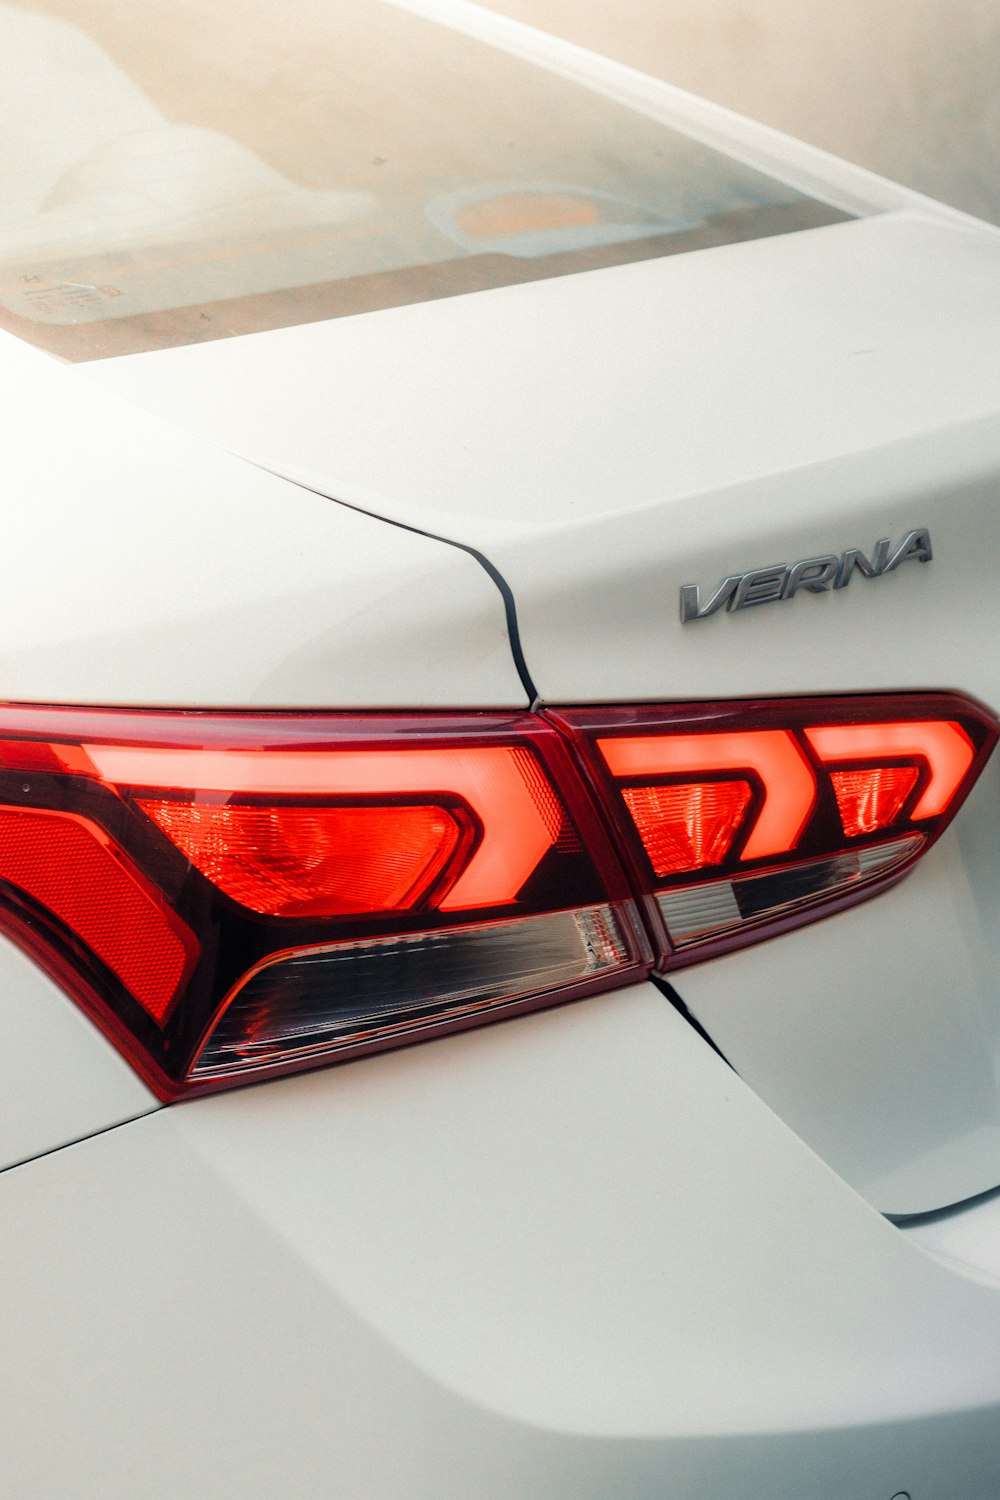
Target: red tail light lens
<point x="773" y="756"/>
<point x="942" y="750"/>
<point x="873" y="798"/>
<point x="288" y="861"/>
<point x="72" y="869"/>
<point x="233" y="895"/>
<point x="811" y="804"/>
<point x="690" y="825"/>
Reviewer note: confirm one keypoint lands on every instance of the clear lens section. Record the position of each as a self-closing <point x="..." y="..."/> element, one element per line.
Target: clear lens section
<point x="338" y="996"/>
<point x="720" y="906"/>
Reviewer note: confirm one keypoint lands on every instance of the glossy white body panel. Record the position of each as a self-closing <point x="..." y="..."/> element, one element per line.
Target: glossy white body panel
<point x="418" y="1276"/>
<point x="689" y="418"/>
<point x="749" y="325"/>
<point x="61" y="1079"/>
<point x="965" y="1239"/>
<point x="145" y="566"/>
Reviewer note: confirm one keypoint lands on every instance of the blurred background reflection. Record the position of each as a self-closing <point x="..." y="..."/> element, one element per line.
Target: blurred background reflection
<point x="908" y="88"/>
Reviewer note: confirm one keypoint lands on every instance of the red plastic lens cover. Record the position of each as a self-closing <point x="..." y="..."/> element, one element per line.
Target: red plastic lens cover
<point x="688" y="825"/>
<point x="843" y="794"/>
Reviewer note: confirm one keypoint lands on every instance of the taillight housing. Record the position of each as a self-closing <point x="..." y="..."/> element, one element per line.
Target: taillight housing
<point x="741" y="819"/>
<point x="234" y="895"/>
<point x="229" y="895"/>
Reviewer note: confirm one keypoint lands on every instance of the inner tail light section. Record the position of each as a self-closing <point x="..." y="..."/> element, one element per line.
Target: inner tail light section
<point x="742" y="819"/>
<point x="943" y="750"/>
<point x="231" y="895"/>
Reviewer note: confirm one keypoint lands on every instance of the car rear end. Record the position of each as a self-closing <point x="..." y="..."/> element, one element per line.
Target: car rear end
<point x="498" y="811"/>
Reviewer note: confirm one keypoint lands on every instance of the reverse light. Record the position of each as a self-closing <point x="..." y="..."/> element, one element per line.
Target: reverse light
<point x="741" y="819"/>
<point x="389" y="987"/>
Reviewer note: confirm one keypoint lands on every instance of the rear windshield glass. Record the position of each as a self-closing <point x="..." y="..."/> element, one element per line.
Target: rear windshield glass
<point x="173" y="172"/>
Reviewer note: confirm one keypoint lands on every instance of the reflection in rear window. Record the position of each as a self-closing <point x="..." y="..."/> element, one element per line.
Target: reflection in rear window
<point x="174" y="173"/>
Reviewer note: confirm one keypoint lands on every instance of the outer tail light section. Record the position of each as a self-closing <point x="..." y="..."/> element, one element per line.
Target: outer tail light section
<point x="742" y="819"/>
<point x="229" y="895"/>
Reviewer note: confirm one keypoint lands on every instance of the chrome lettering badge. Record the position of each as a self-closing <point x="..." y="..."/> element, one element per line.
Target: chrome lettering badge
<point x="815" y="574"/>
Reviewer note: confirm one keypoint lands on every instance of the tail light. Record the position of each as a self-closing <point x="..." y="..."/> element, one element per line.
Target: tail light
<point x="227" y="895"/>
<point x="744" y="819"/>
<point x="233" y="895"/>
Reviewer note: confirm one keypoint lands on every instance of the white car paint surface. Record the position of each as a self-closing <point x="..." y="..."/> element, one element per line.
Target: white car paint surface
<point x="234" y="1258"/>
<point x="733" y="1237"/>
<point x="245" y="590"/>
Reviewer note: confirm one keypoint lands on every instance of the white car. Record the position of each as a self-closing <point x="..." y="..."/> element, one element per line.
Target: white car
<point x="488" y="539"/>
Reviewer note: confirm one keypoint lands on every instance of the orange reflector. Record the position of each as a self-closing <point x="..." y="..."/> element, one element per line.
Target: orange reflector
<point x="313" y="861"/>
<point x="687" y="827"/>
<point x="945" y="747"/>
<point x="68" y="864"/>
<point x="789" y="785"/>
<point x="871" y="799"/>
